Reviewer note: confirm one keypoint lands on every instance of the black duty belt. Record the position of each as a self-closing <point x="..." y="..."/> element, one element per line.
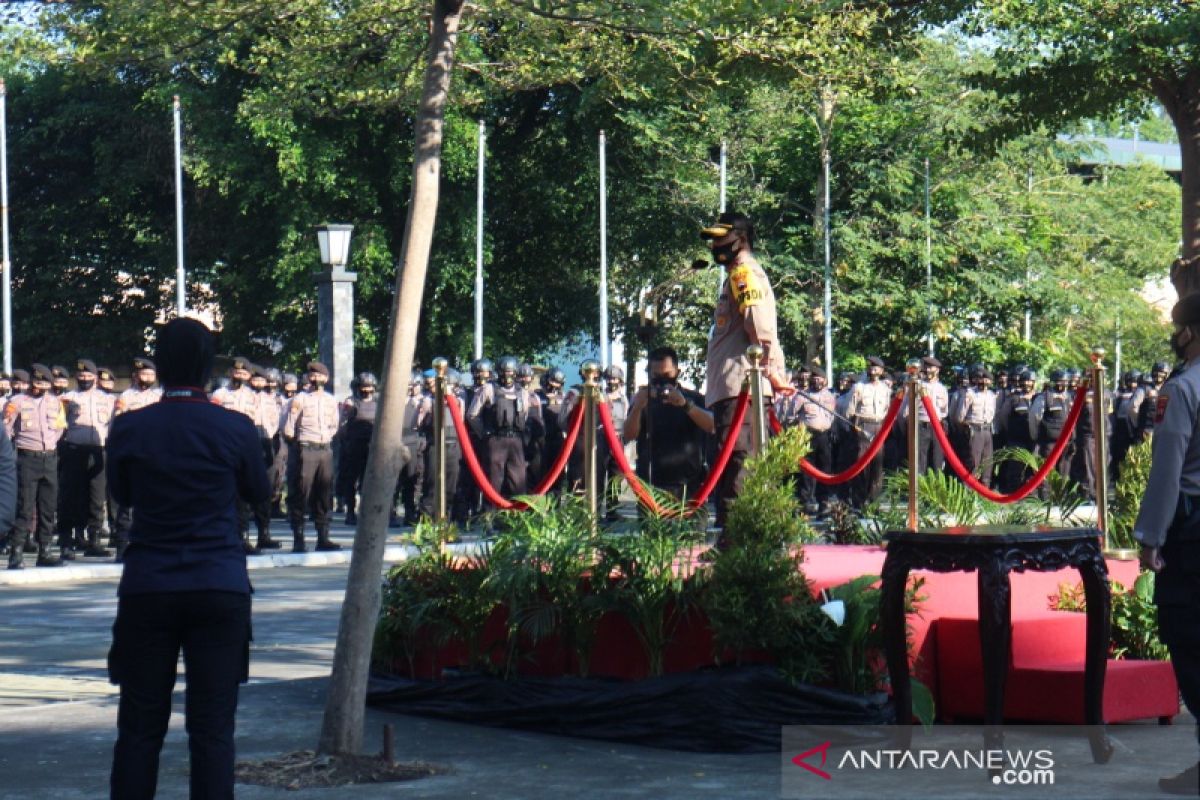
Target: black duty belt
<point x="39" y="453"/>
<point x="509" y="434"/>
<point x="313" y="445"/>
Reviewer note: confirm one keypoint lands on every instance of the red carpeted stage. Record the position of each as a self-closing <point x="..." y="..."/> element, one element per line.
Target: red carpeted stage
<point x="1045" y="682"/>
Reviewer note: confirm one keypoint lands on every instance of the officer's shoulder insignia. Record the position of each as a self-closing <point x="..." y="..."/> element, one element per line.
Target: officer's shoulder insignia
<point x="746" y="287"/>
<point x="1160" y="408"/>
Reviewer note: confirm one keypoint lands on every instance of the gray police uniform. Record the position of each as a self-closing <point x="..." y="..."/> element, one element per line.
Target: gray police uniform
<point x="85" y="489"/>
<point x="977" y="414"/>
<point x="1169" y="518"/>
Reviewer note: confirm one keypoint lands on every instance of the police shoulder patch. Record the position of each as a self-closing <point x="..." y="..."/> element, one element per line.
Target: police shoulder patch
<point x="746" y="287"/>
<point x="1160" y="408"/>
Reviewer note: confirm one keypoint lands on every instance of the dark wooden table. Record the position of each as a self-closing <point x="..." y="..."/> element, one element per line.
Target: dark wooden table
<point x="993" y="552"/>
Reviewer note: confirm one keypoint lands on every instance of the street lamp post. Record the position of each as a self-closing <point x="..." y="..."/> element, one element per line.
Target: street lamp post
<point x="335" y="306"/>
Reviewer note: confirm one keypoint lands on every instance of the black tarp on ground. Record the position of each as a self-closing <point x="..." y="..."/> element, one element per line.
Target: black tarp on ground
<point x="731" y="710"/>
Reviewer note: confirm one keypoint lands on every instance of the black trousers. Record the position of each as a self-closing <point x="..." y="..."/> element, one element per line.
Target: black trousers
<point x="1177" y="595"/>
<point x="821" y="457"/>
<point x="411" y="478"/>
<point x="310" y="483"/>
<point x="37" y="495"/>
<point x="1013" y="473"/>
<point x="213" y="631"/>
<point x="429" y="481"/>
<point x="279" y="476"/>
<point x="929" y="454"/>
<point x="506" y="464"/>
<point x="84" y="486"/>
<point x="729" y="486"/>
<point x="352" y="466"/>
<point x="869" y="483"/>
<point x="979" y="449"/>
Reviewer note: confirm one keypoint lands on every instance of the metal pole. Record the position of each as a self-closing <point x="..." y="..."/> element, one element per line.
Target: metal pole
<point x="1099" y="415"/>
<point x="604" y="341"/>
<point x="5" y="259"/>
<point x="928" y="258"/>
<point x="758" y="413"/>
<point x="439" y="438"/>
<point x="723" y="176"/>
<point x="828" y="308"/>
<point x="913" y="387"/>
<point x="1117" y="357"/>
<point x="1028" y="277"/>
<point x="180" y="275"/>
<point x="590" y="370"/>
<point x="479" y="246"/>
<point x="721" y="210"/>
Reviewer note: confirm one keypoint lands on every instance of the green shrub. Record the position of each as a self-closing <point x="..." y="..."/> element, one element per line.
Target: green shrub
<point x="1134" y="616"/>
<point x="1127" y="495"/>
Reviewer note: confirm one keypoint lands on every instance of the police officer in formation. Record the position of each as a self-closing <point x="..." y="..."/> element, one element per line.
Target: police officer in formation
<point x="310" y="423"/>
<point x="976" y="413"/>
<point x="868" y="405"/>
<point x="411" y="475"/>
<point x="499" y="414"/>
<point x="35" y="421"/>
<point x="357" y="426"/>
<point x="89" y="411"/>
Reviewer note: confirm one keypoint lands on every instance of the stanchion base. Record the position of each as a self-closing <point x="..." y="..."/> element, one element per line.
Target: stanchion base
<point x="1121" y="554"/>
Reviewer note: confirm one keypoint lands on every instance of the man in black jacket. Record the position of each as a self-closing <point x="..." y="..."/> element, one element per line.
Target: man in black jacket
<point x="182" y="465"/>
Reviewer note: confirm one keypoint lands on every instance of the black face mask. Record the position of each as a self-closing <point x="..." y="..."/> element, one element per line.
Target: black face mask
<point x="1177" y="347"/>
<point x="726" y="253"/>
<point x="85" y="385"/>
<point x="235" y="383"/>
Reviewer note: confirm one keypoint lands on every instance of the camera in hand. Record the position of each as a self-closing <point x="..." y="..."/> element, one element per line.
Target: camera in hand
<point x="661" y="388"/>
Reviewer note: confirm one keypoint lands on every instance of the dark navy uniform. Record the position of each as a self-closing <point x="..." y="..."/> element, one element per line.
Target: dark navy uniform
<point x="182" y="465"/>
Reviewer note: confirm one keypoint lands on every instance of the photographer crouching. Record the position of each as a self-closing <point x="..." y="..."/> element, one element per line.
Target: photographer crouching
<point x="671" y="427"/>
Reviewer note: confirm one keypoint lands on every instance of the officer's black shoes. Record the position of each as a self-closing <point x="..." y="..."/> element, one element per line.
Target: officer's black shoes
<point x="66" y="553"/>
<point x="1186" y="783"/>
<point x="96" y="551"/>
<point x="325" y="545"/>
<point x="47" y="560"/>
<point x="298" y="545"/>
<point x="267" y="543"/>
<point x="394" y="521"/>
<point x="30" y="547"/>
<point x="351" y="518"/>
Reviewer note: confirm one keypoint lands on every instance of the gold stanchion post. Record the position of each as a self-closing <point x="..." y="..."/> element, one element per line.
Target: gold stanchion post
<point x="439" y="437"/>
<point x="913" y="398"/>
<point x="590" y="371"/>
<point x="1100" y="429"/>
<point x="758" y="413"/>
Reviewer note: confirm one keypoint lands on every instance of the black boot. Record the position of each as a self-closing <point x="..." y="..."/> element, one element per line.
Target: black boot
<point x="45" y="559"/>
<point x="298" y="545"/>
<point x="93" y="545"/>
<point x="1186" y="783"/>
<point x="16" y="553"/>
<point x="323" y="542"/>
<point x="265" y="542"/>
<point x="250" y="549"/>
<point x="351" y="518"/>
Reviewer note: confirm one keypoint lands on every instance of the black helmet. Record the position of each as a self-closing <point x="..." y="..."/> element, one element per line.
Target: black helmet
<point x="481" y="365"/>
<point x="367" y="379"/>
<point x="524" y="371"/>
<point x="452" y="377"/>
<point x="507" y="363"/>
<point x="1132" y="376"/>
<point x="1058" y="375"/>
<point x="1026" y="374"/>
<point x="614" y="373"/>
<point x="1160" y="366"/>
<point x="556" y="375"/>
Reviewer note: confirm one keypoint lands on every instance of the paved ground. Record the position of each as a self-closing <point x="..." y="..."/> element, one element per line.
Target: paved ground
<point x="57" y="719"/>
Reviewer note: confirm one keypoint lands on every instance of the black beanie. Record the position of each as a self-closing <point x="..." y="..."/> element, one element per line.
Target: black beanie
<point x="185" y="352"/>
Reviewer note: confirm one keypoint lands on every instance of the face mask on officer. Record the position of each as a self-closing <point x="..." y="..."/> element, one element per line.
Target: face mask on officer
<point x="85" y="381"/>
<point x="874" y="373"/>
<point x="725" y="254"/>
<point x="258" y="383"/>
<point x="1179" y="344"/>
<point x="38" y="388"/>
<point x="146" y="378"/>
<point x="507" y="377"/>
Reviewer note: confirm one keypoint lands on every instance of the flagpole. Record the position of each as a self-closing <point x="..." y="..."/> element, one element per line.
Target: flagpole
<point x="604" y="341"/>
<point x="479" y="244"/>
<point x="180" y="275"/>
<point x="5" y="258"/>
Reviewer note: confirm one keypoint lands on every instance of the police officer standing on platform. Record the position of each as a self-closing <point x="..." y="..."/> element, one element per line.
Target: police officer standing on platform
<point x="35" y="422"/>
<point x="1168" y="523"/>
<point x="745" y="315"/>
<point x="89" y="411"/>
<point x="311" y="422"/>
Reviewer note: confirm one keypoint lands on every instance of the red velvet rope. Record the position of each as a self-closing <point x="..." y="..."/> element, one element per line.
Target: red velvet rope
<point x="489" y="491"/>
<point x="714" y="476"/>
<point x="858" y="466"/>
<point x="1052" y="457"/>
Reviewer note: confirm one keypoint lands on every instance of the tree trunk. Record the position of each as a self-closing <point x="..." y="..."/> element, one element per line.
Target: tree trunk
<point x="1182" y="102"/>
<point x="342" y="727"/>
